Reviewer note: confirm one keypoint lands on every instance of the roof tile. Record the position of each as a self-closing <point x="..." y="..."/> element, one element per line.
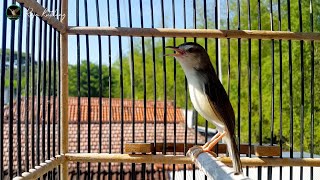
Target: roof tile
<point x="116" y="128"/>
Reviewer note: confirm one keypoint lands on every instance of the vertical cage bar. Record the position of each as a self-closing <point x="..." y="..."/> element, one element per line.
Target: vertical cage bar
<point x="272" y="86"/>
<point x="186" y="97"/>
<point x="154" y="88"/>
<point x="143" y="173"/>
<point x="228" y="45"/>
<point x="194" y="10"/>
<point x="38" y="155"/>
<point x="239" y="75"/>
<point x="89" y="87"/>
<point x="26" y="99"/>
<point x="312" y="91"/>
<point x="281" y="79"/>
<point x="195" y="113"/>
<point x="164" y="87"/>
<point x="174" y="91"/>
<point x="61" y="173"/>
<point x="218" y="17"/>
<point x="44" y="86"/>
<point x="64" y="89"/>
<point x="260" y="86"/>
<point x="301" y="90"/>
<point x="110" y="106"/>
<point x="110" y="94"/>
<point x="19" y="158"/>
<point x="78" y="90"/>
<point x="50" y="92"/>
<point x="205" y="17"/>
<point x="2" y="85"/>
<point x="33" y="91"/>
<point x="185" y="128"/>
<point x="121" y="89"/>
<point x="11" y="105"/>
<point x="54" y="109"/>
<point x="290" y="87"/>
<point x="100" y="87"/>
<point x="249" y="86"/>
<point x="216" y="26"/>
<point x="49" y="121"/>
<point x="133" y="166"/>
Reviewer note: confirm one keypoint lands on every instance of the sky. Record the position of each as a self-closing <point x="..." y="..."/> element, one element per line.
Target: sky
<point x="124" y="14"/>
<point x="124" y="19"/>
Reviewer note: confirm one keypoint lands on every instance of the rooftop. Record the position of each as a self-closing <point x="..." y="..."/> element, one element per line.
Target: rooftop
<point x="116" y="129"/>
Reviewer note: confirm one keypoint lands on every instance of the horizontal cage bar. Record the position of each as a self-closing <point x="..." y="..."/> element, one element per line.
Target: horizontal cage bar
<point x="197" y="33"/>
<point x="171" y="159"/>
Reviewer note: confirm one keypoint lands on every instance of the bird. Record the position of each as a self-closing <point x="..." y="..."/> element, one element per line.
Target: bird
<point x="14" y="12"/>
<point x="208" y="97"/>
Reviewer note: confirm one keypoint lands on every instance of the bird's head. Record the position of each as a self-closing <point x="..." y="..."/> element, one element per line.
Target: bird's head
<point x="190" y="54"/>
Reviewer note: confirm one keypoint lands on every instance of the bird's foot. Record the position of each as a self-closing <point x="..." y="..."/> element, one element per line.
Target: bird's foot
<point x="195" y="151"/>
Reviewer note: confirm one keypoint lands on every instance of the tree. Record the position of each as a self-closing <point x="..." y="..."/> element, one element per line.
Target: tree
<point x="94" y="80"/>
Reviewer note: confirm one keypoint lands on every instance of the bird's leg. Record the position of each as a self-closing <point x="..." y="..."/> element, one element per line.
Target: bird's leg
<point x="214" y="140"/>
<point x="207" y="147"/>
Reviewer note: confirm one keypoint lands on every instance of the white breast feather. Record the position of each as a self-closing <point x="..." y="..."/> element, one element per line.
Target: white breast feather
<point x="201" y="103"/>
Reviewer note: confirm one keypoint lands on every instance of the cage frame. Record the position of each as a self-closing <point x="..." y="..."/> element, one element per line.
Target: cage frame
<point x="65" y="30"/>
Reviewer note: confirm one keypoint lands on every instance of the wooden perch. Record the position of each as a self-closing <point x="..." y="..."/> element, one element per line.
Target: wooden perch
<point x="212" y="167"/>
<point x="179" y="159"/>
<point x="222" y="148"/>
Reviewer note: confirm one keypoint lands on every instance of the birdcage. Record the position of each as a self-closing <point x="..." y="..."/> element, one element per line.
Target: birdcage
<point x="87" y="93"/>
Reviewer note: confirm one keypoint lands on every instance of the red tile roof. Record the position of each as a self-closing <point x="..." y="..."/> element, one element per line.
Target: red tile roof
<point x="127" y="110"/>
<point x="115" y="110"/>
<point x="115" y="131"/>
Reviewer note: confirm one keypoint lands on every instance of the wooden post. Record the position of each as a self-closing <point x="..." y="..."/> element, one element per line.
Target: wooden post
<point x="64" y="89"/>
<point x="213" y="168"/>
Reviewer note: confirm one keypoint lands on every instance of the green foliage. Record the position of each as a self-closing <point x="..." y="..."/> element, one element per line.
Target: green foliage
<point x="138" y="78"/>
<point x="94" y="80"/>
<point x="301" y="119"/>
<point x="270" y="98"/>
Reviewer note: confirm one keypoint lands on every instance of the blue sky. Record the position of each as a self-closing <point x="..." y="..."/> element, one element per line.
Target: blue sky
<point x="124" y="13"/>
<point x="124" y="18"/>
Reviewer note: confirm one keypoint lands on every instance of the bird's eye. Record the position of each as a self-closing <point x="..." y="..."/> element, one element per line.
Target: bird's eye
<point x="192" y="50"/>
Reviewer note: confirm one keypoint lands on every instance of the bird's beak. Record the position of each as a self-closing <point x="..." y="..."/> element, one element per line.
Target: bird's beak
<point x="178" y="51"/>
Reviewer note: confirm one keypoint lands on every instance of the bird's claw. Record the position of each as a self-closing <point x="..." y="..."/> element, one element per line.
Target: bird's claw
<point x="195" y="151"/>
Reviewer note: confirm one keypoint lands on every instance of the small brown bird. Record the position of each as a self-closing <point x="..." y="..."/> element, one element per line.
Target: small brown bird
<point x="209" y="97"/>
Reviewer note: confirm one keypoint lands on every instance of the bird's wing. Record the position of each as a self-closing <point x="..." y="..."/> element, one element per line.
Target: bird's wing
<point x="219" y="99"/>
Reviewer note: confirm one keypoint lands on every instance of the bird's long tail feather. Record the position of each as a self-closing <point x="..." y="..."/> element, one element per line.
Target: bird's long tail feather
<point x="234" y="153"/>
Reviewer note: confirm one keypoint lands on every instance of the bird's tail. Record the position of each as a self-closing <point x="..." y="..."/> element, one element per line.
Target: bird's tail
<point x="234" y="153"/>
